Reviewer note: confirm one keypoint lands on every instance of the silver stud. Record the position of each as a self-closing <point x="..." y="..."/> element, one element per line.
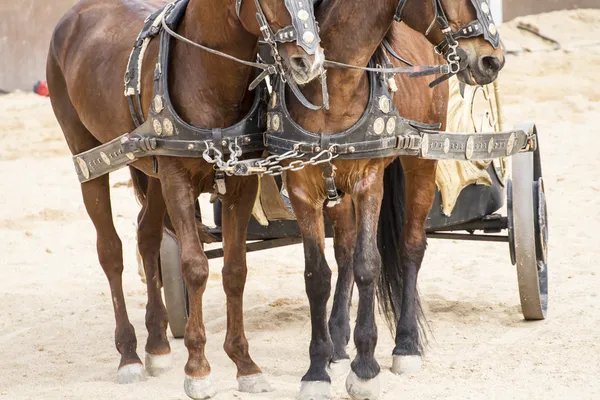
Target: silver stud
<point x="425" y="145"/>
<point x="485" y="8"/>
<point x="273" y="100"/>
<point x="303" y="15"/>
<point x="317" y="149"/>
<point x="157" y="127"/>
<point x="308" y="37"/>
<point x="130" y="156"/>
<point x="378" y="126"/>
<point x="493" y="30"/>
<point x="105" y="158"/>
<point x="275" y="121"/>
<point x="351" y="149"/>
<point x="491" y="146"/>
<point x="83" y="167"/>
<point x="470" y="148"/>
<point x="446" y="146"/>
<point x="190" y="146"/>
<point x="224" y="143"/>
<point x="168" y="125"/>
<point x="390" y="127"/>
<point x="384" y="104"/>
<point x="158" y="104"/>
<point x="511" y="144"/>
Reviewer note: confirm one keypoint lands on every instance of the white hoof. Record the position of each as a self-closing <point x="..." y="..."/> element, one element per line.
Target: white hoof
<point x="406" y="365"/>
<point x="253" y="384"/>
<point x="199" y="388"/>
<point x="131" y="373"/>
<point x="158" y="365"/>
<point x="338" y="369"/>
<point x="360" y="389"/>
<point x="319" y="390"/>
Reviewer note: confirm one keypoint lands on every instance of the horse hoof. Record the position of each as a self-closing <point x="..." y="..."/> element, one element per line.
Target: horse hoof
<point x="159" y="364"/>
<point x="319" y="390"/>
<point x="199" y="388"/>
<point x="338" y="369"/>
<point x="360" y="389"/>
<point x="406" y="365"/>
<point x="131" y="373"/>
<point x="253" y="384"/>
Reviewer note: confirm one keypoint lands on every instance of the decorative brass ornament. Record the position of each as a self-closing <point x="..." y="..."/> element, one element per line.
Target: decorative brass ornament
<point x="308" y="37"/>
<point x="390" y="127"/>
<point x="157" y="127"/>
<point x="168" y="126"/>
<point x="83" y="167"/>
<point x="105" y="158"/>
<point x="158" y="104"/>
<point x="378" y="126"/>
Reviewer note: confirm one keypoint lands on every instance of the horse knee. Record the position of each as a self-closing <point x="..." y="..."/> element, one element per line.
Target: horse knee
<point x="367" y="266"/>
<point x="110" y="253"/>
<point x="195" y="270"/>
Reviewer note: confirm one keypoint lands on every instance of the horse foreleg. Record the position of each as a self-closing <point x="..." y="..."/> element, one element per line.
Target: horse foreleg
<point x="237" y="209"/>
<point x="344" y="236"/>
<point x="308" y="207"/>
<point x="179" y="195"/>
<point x="363" y="382"/>
<point x="150" y="230"/>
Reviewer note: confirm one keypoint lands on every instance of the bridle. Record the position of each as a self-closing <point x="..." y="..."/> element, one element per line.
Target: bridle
<point x="482" y="26"/>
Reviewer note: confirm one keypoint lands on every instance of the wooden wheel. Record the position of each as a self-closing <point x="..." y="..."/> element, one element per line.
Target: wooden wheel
<point x="528" y="231"/>
<point x="174" y="288"/>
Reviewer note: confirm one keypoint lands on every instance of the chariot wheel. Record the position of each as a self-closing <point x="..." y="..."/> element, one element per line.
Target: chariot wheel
<point x="528" y="230"/>
<point x="175" y="291"/>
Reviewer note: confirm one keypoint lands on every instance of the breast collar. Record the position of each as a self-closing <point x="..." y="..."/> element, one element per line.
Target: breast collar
<point x="380" y="132"/>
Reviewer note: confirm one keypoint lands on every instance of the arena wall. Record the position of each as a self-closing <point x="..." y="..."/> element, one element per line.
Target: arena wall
<point x="25" y="29"/>
<point x="516" y="8"/>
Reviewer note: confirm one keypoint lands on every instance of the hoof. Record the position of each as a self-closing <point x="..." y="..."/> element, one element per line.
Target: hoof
<point x="253" y="384"/>
<point x="338" y="369"/>
<point x="318" y="390"/>
<point x="406" y="365"/>
<point x="199" y="388"/>
<point x="158" y="365"/>
<point x="131" y="373"/>
<point x="360" y="389"/>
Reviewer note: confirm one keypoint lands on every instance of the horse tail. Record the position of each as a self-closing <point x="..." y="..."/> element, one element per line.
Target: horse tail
<point x="140" y="184"/>
<point x="389" y="241"/>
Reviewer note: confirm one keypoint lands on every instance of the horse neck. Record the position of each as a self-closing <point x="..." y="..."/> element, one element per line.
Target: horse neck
<point x="208" y="90"/>
<point x="351" y="32"/>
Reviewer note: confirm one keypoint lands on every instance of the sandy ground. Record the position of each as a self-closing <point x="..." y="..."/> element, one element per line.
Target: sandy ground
<point x="56" y="319"/>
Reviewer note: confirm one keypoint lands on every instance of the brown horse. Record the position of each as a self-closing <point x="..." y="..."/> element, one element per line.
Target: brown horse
<point x="356" y="222"/>
<point x="88" y="55"/>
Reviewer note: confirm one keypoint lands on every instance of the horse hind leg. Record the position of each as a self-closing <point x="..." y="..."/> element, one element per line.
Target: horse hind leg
<point x="96" y="197"/>
<point x="150" y="229"/>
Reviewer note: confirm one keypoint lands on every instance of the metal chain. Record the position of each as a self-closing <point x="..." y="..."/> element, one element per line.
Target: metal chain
<point x="275" y="169"/>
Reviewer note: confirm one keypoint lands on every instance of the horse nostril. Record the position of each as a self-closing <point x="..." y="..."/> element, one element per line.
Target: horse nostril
<point x="300" y="63"/>
<point x="490" y="64"/>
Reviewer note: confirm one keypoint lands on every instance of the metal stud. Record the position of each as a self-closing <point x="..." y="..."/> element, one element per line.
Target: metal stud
<point x="384" y="104"/>
<point x="491" y="146"/>
<point x="190" y="146"/>
<point x="275" y="121"/>
<point x="130" y="156"/>
<point x="273" y="100"/>
<point x="510" y="144"/>
<point x="317" y="149"/>
<point x="168" y="126"/>
<point x="485" y="8"/>
<point x="158" y="104"/>
<point x="224" y="143"/>
<point x="425" y="145"/>
<point x="446" y="146"/>
<point x="83" y="167"/>
<point x="390" y="127"/>
<point x="351" y="149"/>
<point x="157" y="127"/>
<point x="268" y="121"/>
<point x="303" y="15"/>
<point x="105" y="158"/>
<point x="493" y="30"/>
<point x="470" y="148"/>
<point x="378" y="126"/>
<point x="308" y="37"/>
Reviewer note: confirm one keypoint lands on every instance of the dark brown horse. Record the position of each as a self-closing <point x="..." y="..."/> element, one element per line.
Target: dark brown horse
<point x="354" y="41"/>
<point x="88" y="56"/>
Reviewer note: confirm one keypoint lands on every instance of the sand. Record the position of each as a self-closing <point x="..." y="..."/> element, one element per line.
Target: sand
<point x="56" y="319"/>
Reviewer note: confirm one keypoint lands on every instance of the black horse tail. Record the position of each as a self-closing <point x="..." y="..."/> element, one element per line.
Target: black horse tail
<point x="389" y="241"/>
<point x="140" y="184"/>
